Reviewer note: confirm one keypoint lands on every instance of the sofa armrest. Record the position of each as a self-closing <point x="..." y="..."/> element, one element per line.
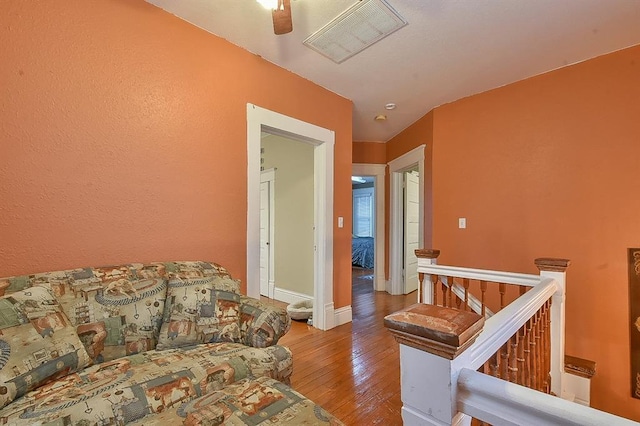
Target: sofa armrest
<point x="261" y="324"/>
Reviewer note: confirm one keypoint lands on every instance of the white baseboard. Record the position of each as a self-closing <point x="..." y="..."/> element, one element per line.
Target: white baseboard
<point x="289" y="296"/>
<point x="342" y="316"/>
<point x="272" y="289"/>
<point x="381" y="283"/>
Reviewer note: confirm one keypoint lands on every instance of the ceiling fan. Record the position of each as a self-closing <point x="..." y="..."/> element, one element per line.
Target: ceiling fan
<point x="281" y="13"/>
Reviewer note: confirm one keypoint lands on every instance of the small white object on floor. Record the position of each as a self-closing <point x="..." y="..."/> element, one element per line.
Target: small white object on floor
<point x="300" y="310"/>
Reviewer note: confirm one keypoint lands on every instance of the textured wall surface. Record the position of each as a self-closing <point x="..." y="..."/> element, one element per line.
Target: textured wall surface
<point x="123" y="138"/>
<point x="369" y="152"/>
<point x="549" y="167"/>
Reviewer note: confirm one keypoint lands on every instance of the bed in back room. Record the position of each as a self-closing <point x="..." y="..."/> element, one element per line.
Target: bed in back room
<point x="362" y="251"/>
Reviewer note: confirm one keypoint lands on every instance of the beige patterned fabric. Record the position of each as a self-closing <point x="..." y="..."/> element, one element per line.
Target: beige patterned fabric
<point x="37" y="343"/>
<point x="113" y="315"/>
<point x="197" y="312"/>
<point x="126" y="311"/>
<point x="191" y="269"/>
<point x="145" y="384"/>
<point x="115" y="310"/>
<point x="260" y="324"/>
<point x="247" y="402"/>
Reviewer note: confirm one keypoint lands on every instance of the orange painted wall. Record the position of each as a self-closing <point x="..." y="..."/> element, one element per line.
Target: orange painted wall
<point x="123" y="138"/>
<point x="550" y="166"/>
<point x="369" y="153"/>
<point x="419" y="133"/>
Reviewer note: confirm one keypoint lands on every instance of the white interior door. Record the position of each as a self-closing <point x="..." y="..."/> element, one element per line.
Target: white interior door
<point x="267" y="232"/>
<point x="264" y="238"/>
<point x="411" y="230"/>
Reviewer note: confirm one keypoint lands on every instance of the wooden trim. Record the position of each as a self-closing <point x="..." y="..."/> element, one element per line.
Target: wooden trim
<point x="441" y="331"/>
<point x="579" y="367"/>
<point x="426" y="267"/>
<point x="323" y="141"/>
<point x="498" y="402"/>
<point x="552" y="264"/>
<point x="428" y="253"/>
<point x="378" y="171"/>
<point x="396" y="167"/>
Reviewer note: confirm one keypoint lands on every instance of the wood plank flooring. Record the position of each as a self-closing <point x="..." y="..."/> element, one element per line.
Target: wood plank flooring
<point x="352" y="371"/>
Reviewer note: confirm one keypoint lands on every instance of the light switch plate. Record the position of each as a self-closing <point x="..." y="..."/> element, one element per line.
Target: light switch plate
<point x="462" y="222"/>
<point x="340" y="222"/>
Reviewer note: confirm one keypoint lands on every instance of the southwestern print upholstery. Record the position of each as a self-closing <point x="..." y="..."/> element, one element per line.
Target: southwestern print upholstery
<point x="247" y="402"/>
<point x="197" y="312"/>
<point x="261" y="325"/>
<point x="114" y="310"/>
<point x="37" y="343"/>
<point x="150" y="383"/>
<point x="117" y="312"/>
<point x="191" y="269"/>
<point x="117" y="317"/>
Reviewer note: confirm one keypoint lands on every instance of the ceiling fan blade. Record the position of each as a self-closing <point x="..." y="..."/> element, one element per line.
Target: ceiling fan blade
<point x="282" y="22"/>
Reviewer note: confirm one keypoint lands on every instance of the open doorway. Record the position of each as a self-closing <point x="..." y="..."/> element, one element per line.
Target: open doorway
<point x="406" y="220"/>
<point x="286" y="219"/>
<point x="363" y="228"/>
<point x="259" y="121"/>
<point x="376" y="173"/>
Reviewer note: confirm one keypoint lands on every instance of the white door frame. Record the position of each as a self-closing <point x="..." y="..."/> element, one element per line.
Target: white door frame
<point x="378" y="171"/>
<point x="269" y="176"/>
<point x="395" y="285"/>
<point x="259" y="120"/>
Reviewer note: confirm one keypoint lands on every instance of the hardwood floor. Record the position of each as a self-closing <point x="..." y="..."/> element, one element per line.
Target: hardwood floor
<point x="352" y="371"/>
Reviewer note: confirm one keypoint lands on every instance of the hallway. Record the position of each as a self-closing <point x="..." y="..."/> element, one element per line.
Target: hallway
<point x="353" y="371"/>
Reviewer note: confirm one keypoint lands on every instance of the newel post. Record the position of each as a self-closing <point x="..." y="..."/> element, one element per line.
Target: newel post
<point x="425" y="287"/>
<point x="556" y="269"/>
<point x="431" y="340"/>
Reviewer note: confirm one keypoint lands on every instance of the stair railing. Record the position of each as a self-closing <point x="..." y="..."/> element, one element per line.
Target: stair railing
<point x="443" y="347"/>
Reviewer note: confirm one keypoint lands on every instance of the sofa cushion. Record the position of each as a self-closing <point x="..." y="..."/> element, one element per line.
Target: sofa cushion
<point x="117" y="310"/>
<point x="262" y="324"/>
<point x="193" y="269"/>
<point x="197" y="312"/>
<point x="145" y="384"/>
<point x="115" y="314"/>
<point x="247" y="402"/>
<point x="224" y="283"/>
<point x="37" y="342"/>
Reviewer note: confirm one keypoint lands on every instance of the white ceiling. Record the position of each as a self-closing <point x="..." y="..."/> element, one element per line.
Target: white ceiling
<point x="450" y="49"/>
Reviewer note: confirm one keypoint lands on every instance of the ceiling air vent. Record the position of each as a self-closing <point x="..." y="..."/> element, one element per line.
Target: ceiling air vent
<point x="360" y="26"/>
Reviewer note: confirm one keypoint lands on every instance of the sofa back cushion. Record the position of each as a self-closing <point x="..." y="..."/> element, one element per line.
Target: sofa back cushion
<point x="117" y="310"/>
<point x="199" y="310"/>
<point x="194" y="269"/>
<point x="37" y="342"/>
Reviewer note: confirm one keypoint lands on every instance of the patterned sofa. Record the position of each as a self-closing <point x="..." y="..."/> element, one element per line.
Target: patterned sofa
<point x="148" y="344"/>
